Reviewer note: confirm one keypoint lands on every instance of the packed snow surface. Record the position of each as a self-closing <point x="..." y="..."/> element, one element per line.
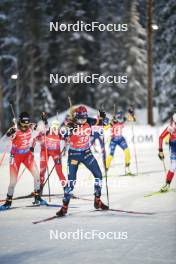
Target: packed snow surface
<point x="142" y="239"/>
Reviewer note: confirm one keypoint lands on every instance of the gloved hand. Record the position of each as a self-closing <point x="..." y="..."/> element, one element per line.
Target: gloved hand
<point x="32" y="149"/>
<point x="72" y="125"/>
<point x="161" y="154"/>
<point x="131" y="114"/>
<point x="131" y="111"/>
<point x="11" y="132"/>
<point x="44" y="117"/>
<point x="102" y="114"/>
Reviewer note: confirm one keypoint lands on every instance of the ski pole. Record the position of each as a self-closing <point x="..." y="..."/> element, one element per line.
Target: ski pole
<point x="132" y="118"/>
<point x="164" y="166"/>
<point x="44" y="118"/>
<point x="105" y="169"/>
<point x="14" y="117"/>
<point x="4" y="154"/>
<point x="71" y="107"/>
<point x="135" y="152"/>
<point x="70" y="102"/>
<point x="21" y="174"/>
<point x="106" y="174"/>
<point x="115" y="110"/>
<point x="47" y="179"/>
<point x="46" y="156"/>
<point x="49" y="174"/>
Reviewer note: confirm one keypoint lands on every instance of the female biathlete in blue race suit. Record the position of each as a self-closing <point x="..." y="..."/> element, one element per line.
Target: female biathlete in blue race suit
<point x="79" y="127"/>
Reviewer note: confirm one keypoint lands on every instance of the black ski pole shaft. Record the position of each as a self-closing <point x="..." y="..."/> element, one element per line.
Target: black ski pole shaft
<point x="46" y="154"/>
<point x="105" y="168"/>
<point x="46" y="157"/>
<point x="49" y="190"/>
<point x="115" y="110"/>
<point x="13" y="112"/>
<point x="14" y="116"/>
<point x="49" y="174"/>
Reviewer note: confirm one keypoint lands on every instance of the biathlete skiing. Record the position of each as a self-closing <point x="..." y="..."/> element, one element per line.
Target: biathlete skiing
<point x="21" y="153"/>
<point x="49" y="141"/>
<point x="117" y="139"/>
<point x="171" y="131"/>
<point x="79" y="133"/>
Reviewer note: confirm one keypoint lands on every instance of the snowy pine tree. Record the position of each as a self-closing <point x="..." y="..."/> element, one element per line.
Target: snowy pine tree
<point x="109" y="53"/>
<point x="9" y="43"/>
<point x="133" y="60"/>
<point x="164" y="52"/>
<point x="71" y="52"/>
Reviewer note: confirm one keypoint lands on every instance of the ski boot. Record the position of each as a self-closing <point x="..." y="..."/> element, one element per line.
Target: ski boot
<point x="127" y="170"/>
<point x="38" y="200"/>
<point x="63" y="210"/>
<point x="165" y="188"/>
<point x="98" y="204"/>
<point x="7" y="204"/>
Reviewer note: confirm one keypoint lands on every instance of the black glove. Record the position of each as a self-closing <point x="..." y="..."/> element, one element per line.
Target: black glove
<point x="102" y="114"/>
<point x="161" y="154"/>
<point x="35" y="126"/>
<point x="32" y="149"/>
<point x="72" y="124"/>
<point x="131" y="114"/>
<point x="131" y="111"/>
<point x="44" y="117"/>
<point x="11" y="131"/>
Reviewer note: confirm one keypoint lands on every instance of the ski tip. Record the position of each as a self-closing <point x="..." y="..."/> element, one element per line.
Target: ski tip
<point x="152" y="194"/>
<point x="133" y="212"/>
<point x="46" y="219"/>
<point x="147" y="195"/>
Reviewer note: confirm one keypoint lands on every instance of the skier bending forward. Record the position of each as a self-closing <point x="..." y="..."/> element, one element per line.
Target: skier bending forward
<point x="50" y="147"/>
<point x="79" y="152"/>
<point x="117" y="124"/>
<point x="21" y="153"/>
<point x="170" y="130"/>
